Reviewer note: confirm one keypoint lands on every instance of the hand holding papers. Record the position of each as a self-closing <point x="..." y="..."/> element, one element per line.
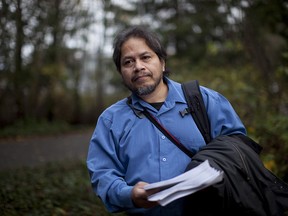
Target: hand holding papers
<point x="185" y="184"/>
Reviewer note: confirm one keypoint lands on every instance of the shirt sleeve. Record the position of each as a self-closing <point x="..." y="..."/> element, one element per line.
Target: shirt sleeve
<point x="106" y="171"/>
<point x="223" y="118"/>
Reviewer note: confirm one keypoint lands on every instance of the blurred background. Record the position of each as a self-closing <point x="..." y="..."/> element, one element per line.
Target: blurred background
<point x="57" y="74"/>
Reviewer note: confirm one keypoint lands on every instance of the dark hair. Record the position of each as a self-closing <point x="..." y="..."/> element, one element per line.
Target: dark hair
<point x="139" y="32"/>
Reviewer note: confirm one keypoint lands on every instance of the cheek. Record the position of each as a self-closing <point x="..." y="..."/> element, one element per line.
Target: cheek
<point x="126" y="76"/>
<point x="157" y="67"/>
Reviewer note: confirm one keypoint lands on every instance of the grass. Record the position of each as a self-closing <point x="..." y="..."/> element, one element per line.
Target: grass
<point x="32" y="127"/>
<point x="54" y="189"/>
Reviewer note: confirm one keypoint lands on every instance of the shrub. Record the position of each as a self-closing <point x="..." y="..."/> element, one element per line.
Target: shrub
<point x="54" y="189"/>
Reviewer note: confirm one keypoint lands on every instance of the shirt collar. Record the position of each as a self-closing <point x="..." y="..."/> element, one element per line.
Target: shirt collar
<point x="175" y="95"/>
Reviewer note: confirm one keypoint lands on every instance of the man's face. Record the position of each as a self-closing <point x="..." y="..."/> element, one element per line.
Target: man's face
<point x="141" y="69"/>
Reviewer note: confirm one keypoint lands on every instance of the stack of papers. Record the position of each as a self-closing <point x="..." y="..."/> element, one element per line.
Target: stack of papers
<point x="185" y="184"/>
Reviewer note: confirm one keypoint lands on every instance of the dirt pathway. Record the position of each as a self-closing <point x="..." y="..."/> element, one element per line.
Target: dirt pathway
<point x="17" y="153"/>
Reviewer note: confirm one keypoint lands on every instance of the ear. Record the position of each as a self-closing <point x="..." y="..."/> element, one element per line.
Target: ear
<point x="163" y="65"/>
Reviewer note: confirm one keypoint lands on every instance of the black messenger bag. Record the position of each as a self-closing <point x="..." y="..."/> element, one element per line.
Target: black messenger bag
<point x="248" y="188"/>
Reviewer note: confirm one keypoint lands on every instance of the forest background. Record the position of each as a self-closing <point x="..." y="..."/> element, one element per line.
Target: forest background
<point x="56" y="66"/>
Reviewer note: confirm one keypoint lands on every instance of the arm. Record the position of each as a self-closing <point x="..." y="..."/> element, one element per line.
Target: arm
<point x="106" y="170"/>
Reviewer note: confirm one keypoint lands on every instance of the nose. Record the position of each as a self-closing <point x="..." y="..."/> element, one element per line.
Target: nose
<point x="138" y="66"/>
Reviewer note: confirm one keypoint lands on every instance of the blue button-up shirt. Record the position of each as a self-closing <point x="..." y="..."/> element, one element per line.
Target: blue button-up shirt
<point x="126" y="148"/>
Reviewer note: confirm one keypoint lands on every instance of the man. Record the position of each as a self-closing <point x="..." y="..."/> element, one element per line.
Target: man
<point x="126" y="150"/>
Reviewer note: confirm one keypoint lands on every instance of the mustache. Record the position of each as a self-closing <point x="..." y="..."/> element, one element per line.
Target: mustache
<point x="139" y="75"/>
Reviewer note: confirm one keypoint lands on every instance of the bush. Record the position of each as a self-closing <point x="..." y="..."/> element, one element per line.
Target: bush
<point x="33" y="127"/>
<point x="55" y="189"/>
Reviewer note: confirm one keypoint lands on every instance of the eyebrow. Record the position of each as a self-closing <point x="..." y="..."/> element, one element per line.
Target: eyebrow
<point x="141" y="54"/>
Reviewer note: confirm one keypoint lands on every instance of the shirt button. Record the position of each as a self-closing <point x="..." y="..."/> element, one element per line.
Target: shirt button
<point x="164" y="159"/>
<point x="163" y="137"/>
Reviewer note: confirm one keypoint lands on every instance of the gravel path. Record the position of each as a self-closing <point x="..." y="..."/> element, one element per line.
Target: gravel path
<point x="34" y="151"/>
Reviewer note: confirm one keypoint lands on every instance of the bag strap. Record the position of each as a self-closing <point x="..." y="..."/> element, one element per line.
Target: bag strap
<point x="167" y="133"/>
<point x="197" y="108"/>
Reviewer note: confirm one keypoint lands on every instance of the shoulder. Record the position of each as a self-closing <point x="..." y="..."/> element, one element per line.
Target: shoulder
<point x="172" y="83"/>
<point x="117" y="109"/>
<point x="117" y="114"/>
<point x="212" y="95"/>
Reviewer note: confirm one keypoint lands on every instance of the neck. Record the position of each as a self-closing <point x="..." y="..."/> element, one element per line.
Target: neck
<point x="158" y="95"/>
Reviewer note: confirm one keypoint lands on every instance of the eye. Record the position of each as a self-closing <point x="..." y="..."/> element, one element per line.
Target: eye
<point x="128" y="62"/>
<point x="146" y="57"/>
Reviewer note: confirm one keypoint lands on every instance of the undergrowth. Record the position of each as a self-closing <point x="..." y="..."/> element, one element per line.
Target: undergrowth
<point x="54" y="189"/>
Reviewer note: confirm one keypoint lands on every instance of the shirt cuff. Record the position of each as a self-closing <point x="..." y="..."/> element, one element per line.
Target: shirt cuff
<point x="120" y="200"/>
<point x="126" y="199"/>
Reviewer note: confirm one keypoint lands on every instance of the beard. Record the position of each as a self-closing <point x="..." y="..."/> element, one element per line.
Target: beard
<point x="145" y="90"/>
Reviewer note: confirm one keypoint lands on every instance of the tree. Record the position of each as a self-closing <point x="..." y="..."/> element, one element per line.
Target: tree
<point x="37" y="45"/>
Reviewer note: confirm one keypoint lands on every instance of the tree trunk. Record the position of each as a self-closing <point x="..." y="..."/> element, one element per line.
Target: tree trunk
<point x="17" y="82"/>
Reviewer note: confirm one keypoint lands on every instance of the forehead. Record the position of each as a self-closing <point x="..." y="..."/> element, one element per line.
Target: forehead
<point x="134" y="46"/>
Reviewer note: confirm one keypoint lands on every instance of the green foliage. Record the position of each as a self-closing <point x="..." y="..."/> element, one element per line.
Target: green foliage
<point x="272" y="134"/>
<point x="276" y="125"/>
<point x="247" y="94"/>
<point x="55" y="189"/>
<point x="32" y="78"/>
<point x="31" y="127"/>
